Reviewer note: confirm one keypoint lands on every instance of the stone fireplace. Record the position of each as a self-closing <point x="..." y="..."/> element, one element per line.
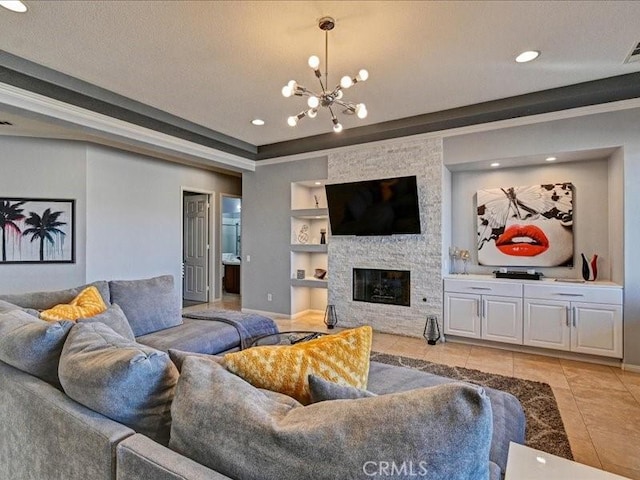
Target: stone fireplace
<point x="391" y="287"/>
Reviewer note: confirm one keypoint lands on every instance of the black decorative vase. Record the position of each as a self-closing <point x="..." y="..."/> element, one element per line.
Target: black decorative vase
<point x="330" y="317"/>
<point x="432" y="330"/>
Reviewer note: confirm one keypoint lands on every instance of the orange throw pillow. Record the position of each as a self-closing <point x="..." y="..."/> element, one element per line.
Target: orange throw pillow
<point x="342" y="358"/>
<point x="88" y="303"/>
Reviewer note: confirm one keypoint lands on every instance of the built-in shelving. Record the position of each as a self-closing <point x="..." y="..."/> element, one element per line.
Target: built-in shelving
<point x="309" y="220"/>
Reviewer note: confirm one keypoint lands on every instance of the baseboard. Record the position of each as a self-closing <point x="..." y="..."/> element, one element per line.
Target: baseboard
<point x="627" y="367"/>
<point x="264" y="313"/>
<point x="305" y="312"/>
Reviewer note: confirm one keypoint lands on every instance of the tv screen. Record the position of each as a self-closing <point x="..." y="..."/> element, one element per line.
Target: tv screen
<point x="374" y="207"/>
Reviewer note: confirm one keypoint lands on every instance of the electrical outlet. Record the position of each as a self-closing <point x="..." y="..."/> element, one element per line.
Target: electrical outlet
<point x="248" y="258"/>
<point x="269" y="297"/>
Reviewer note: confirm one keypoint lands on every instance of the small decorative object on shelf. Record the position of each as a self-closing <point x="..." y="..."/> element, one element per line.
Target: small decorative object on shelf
<point x="432" y="330"/>
<point x="320" y="273"/>
<point x="330" y="317"/>
<point x="518" y="275"/>
<point x="303" y="234"/>
<point x="300" y="274"/>
<point x="315" y="197"/>
<point x="323" y="236"/>
<point x="465" y="256"/>
<point x="589" y="268"/>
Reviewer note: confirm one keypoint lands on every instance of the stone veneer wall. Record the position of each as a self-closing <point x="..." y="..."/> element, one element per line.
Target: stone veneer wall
<point x="420" y="254"/>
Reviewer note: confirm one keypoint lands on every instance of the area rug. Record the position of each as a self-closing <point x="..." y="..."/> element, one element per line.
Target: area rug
<point x="545" y="430"/>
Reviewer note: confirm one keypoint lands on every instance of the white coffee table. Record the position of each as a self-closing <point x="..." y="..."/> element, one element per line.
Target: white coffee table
<point x="526" y="463"/>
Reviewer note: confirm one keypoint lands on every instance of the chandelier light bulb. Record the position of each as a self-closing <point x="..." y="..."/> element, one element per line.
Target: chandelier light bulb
<point x="361" y="110"/>
<point x="312" y="113"/>
<point x="314" y="62"/>
<point x="287" y="91"/>
<point x="313" y="102"/>
<point x="339" y="95"/>
<point x="362" y="75"/>
<point x="346" y="81"/>
<point x="337" y="127"/>
<point x="292" y="121"/>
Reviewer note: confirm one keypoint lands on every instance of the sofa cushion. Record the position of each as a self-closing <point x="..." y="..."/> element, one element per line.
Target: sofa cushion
<point x="322" y="390"/>
<point x="86" y="304"/>
<point x="115" y="318"/>
<point x="125" y="381"/>
<point x="32" y="345"/>
<point x="178" y="357"/>
<point x="508" y="417"/>
<point x="8" y="307"/>
<point x="150" y="304"/>
<point x="45" y="300"/>
<point x="342" y="358"/>
<point x="199" y="336"/>
<point x="221" y="421"/>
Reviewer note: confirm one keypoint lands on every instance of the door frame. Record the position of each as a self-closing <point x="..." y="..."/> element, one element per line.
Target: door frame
<point x="213" y="247"/>
<point x="219" y="249"/>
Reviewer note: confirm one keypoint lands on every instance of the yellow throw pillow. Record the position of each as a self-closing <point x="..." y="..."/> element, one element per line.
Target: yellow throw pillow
<point x="342" y="358"/>
<point x="88" y="303"/>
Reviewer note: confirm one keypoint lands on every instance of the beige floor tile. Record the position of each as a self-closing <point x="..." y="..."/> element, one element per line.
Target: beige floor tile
<point x="592" y="367"/>
<point x="490" y="353"/>
<point x="618" y="448"/>
<point x="612" y="411"/>
<point x="635" y="391"/>
<point x="584" y="452"/>
<point x="596" y="379"/>
<point x="628" y="378"/>
<point x="540" y="372"/>
<point x="618" y="470"/>
<point x="529" y="358"/>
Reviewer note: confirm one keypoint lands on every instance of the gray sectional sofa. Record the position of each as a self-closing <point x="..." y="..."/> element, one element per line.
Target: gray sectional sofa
<point x="45" y="434"/>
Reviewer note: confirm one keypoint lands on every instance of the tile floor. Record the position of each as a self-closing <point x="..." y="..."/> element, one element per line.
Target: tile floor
<point x="600" y="405"/>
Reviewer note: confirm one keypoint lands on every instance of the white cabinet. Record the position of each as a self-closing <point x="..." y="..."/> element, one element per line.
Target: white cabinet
<point x="476" y="309"/>
<point x="574" y="318"/>
<point x="309" y="238"/>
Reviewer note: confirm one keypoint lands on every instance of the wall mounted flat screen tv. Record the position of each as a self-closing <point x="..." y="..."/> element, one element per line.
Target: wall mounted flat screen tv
<point x="387" y="206"/>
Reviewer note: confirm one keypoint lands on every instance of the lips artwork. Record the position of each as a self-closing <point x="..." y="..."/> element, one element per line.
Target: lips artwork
<point x="523" y="241"/>
<point x="526" y="226"/>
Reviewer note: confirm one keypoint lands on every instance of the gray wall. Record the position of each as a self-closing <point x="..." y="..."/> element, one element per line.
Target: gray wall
<point x="42" y="168"/>
<point x="266" y="231"/>
<point x="128" y="209"/>
<point x="613" y="129"/>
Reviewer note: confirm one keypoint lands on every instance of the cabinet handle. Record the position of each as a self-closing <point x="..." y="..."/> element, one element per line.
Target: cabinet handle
<point x="478" y="308"/>
<point x="480" y="288"/>
<point x="573" y="316"/>
<point x="569" y="294"/>
<point x="567" y="316"/>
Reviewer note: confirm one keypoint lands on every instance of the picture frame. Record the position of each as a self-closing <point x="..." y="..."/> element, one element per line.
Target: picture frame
<point x="37" y="230"/>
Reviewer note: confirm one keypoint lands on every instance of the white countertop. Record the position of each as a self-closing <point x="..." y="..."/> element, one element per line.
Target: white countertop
<point x="543" y="280"/>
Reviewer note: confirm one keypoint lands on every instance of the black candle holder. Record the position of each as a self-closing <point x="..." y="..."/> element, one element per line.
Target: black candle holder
<point x="330" y="317"/>
<point x="431" y="330"/>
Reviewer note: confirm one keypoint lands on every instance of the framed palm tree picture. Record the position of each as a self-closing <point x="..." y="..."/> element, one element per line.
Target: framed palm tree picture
<point x="37" y="230"/>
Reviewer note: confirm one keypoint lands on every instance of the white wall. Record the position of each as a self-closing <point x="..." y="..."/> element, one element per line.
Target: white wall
<point x="134" y="205"/>
<point x="590" y="203"/>
<point x="43" y="168"/>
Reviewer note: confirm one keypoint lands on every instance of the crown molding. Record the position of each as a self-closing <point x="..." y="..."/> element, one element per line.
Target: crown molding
<point x="97" y="124"/>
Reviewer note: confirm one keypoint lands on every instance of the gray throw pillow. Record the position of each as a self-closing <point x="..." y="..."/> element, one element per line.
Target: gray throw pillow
<point x="150" y="305"/>
<point x="115" y="318"/>
<point x="178" y="357"/>
<point x="8" y="307"/>
<point x="323" y="390"/>
<point x="123" y="380"/>
<point x="46" y="300"/>
<point x="221" y="421"/>
<point x="32" y="345"/>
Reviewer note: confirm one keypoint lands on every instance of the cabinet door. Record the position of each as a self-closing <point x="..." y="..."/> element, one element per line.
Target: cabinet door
<point x="462" y="314"/>
<point x="502" y="319"/>
<point x="546" y="324"/>
<point x="597" y="329"/>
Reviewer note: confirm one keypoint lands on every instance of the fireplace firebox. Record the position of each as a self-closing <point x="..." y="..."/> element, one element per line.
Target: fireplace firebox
<point x="392" y="287"/>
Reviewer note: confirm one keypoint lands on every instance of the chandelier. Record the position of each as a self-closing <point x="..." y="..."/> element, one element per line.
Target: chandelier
<point x="330" y="99"/>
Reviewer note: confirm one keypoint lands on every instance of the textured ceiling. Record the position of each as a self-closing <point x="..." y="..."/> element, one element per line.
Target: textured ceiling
<point x="220" y="64"/>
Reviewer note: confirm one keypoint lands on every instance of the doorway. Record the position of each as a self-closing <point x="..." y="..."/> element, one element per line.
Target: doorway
<point x="195" y="248"/>
<point x="231" y="244"/>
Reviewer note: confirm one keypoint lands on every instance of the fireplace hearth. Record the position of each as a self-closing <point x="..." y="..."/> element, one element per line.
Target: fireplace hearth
<point x="391" y="287"/>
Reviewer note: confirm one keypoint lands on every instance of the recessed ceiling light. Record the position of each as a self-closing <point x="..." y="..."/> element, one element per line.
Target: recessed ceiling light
<point x="527" y="56"/>
<point x="550" y="159"/>
<point x="257" y="122"/>
<point x="495" y="164"/>
<point x="318" y="183"/>
<point x="13" y="5"/>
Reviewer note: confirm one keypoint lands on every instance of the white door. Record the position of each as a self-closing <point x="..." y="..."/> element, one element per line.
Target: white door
<point x="547" y="324"/>
<point x="462" y="314"/>
<point x="597" y="329"/>
<point x="502" y="319"/>
<point x="196" y="248"/>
